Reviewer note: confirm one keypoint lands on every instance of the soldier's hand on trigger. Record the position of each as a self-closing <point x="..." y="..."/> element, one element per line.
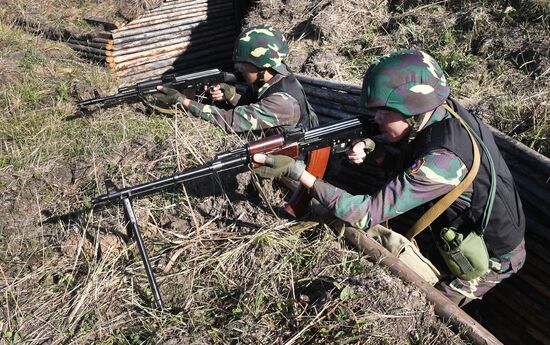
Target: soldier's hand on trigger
<point x="222" y="92"/>
<point x="359" y="150"/>
<point x="168" y="95"/>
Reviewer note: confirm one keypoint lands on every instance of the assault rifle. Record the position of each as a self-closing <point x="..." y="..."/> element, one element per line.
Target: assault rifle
<point x="136" y="92"/>
<point x="318" y="143"/>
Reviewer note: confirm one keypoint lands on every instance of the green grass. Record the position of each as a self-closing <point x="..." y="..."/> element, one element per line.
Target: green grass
<point x="228" y="284"/>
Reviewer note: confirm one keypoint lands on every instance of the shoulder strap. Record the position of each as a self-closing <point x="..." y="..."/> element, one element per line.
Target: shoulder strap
<point x="446" y="201"/>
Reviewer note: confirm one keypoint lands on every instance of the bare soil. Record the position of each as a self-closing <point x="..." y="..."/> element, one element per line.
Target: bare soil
<point x="229" y="265"/>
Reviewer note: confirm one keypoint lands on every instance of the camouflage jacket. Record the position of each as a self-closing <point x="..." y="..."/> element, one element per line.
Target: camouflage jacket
<point x="429" y="177"/>
<point x="277" y="109"/>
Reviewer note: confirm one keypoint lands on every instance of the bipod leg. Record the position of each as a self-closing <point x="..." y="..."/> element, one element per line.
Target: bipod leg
<point x="133" y="229"/>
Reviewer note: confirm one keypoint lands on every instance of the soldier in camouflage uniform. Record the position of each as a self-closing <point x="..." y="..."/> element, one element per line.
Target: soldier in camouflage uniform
<point x="408" y="92"/>
<point x="274" y="96"/>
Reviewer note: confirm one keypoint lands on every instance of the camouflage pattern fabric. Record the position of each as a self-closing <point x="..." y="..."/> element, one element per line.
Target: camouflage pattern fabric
<point x="408" y="81"/>
<point x="429" y="177"/>
<point x="262" y="46"/>
<point x="274" y="110"/>
<point x="500" y="268"/>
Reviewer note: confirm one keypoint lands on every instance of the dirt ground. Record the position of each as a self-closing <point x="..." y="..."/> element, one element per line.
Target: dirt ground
<point x="229" y="265"/>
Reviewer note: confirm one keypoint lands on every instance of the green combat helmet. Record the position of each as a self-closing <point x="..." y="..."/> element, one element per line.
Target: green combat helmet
<point x="262" y="46"/>
<point x="408" y="81"/>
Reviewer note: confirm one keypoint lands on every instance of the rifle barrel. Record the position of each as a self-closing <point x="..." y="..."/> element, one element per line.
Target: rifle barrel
<point x="331" y="128"/>
<point x="133" y="92"/>
<point x="229" y="162"/>
<point x="107" y="99"/>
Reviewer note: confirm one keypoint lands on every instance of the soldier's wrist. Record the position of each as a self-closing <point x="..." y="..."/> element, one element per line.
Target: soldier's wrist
<point x="297" y="170"/>
<point x="308" y="180"/>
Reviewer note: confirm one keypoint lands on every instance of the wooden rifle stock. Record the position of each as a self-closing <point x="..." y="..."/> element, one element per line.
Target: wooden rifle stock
<point x="316" y="165"/>
<point x="317" y="161"/>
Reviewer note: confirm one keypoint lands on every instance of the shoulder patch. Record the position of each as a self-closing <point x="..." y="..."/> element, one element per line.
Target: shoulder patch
<point x="416" y="166"/>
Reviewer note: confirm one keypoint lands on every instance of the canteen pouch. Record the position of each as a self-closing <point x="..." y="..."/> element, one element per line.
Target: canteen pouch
<point x="467" y="258"/>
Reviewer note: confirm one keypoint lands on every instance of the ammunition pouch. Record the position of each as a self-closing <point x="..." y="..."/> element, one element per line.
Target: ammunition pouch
<point x="467" y="258"/>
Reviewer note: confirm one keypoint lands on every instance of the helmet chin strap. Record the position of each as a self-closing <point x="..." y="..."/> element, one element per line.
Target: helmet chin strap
<point x="260" y="81"/>
<point x="415" y="122"/>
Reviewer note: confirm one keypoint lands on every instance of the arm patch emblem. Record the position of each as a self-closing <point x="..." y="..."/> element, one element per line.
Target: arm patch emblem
<point x="416" y="166"/>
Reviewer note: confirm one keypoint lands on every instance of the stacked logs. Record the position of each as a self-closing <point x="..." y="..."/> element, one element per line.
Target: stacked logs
<point x="180" y="34"/>
<point x="517" y="310"/>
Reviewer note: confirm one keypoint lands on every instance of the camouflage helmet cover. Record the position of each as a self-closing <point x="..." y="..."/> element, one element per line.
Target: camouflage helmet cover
<point x="408" y="81"/>
<point x="263" y="46"/>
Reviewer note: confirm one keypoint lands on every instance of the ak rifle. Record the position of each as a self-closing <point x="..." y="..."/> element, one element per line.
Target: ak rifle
<point x="137" y="92"/>
<point x="316" y="144"/>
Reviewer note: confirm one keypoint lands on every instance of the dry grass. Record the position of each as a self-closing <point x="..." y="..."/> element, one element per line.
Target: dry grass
<point x="229" y="269"/>
<point x="134" y="8"/>
<point x="69" y="15"/>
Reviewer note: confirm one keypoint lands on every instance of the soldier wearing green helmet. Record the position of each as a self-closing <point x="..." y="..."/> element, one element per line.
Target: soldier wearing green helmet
<point x="453" y="170"/>
<point x="274" y="96"/>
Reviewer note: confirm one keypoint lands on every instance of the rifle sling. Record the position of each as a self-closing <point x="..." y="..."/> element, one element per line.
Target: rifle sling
<point x="446" y="201"/>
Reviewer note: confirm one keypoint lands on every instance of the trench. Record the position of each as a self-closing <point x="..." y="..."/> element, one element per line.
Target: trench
<point x="183" y="36"/>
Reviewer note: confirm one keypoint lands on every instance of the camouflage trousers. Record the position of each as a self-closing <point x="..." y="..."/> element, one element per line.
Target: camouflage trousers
<point x="461" y="291"/>
<point x="501" y="267"/>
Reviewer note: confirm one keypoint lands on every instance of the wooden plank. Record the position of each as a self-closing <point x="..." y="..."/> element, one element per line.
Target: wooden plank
<point x="164" y="53"/>
<point x="213" y="52"/>
<point x="157" y="34"/>
<point x="331" y="113"/>
<point x="212" y="25"/>
<point x="329" y="84"/>
<point x="211" y="11"/>
<point x="532" y="195"/>
<point x="168" y="7"/>
<point x="163" y="9"/>
<point x="194" y="37"/>
<point x="528" y="157"/>
<point x="192" y="18"/>
<point x="88" y="49"/>
<point x="89" y="43"/>
<point x="514" y="299"/>
<point x="504" y="326"/>
<point x="336" y="106"/>
<point x="332" y="95"/>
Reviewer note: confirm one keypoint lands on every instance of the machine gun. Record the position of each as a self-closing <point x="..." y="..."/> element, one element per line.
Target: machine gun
<point x="136" y="92"/>
<point x="317" y="143"/>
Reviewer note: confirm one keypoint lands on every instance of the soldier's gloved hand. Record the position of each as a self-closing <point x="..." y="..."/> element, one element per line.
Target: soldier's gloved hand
<point x="223" y="92"/>
<point x="168" y="96"/>
<point x="360" y="150"/>
<point x="278" y="166"/>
